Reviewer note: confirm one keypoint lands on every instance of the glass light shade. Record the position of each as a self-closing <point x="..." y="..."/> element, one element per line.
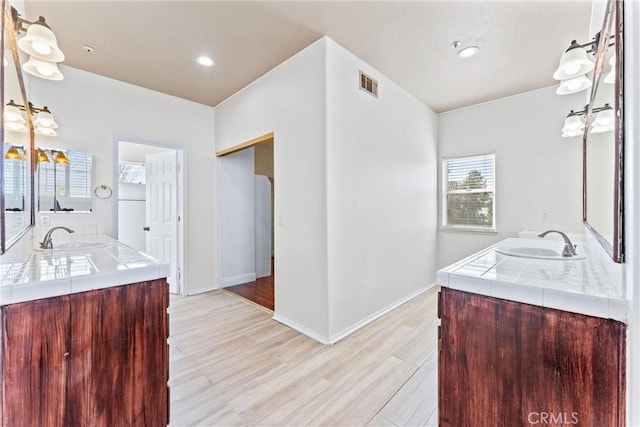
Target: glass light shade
<point x="61" y="159"/>
<point x="45" y="119"/>
<point x="45" y="131"/>
<point x="573" y="85"/>
<point x="604" y="118"/>
<point x="42" y="157"/>
<point x="573" y="62"/>
<point x="13" y="114"/>
<point x="41" y="68"/>
<point x="610" y="78"/>
<point x="573" y="123"/>
<point x="16" y="127"/>
<point x="601" y="129"/>
<point x="572" y="133"/>
<point x="13" y="154"/>
<point x="39" y="41"/>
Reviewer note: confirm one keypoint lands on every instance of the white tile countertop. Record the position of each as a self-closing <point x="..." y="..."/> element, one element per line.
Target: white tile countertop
<point x="584" y="286"/>
<point x="29" y="273"/>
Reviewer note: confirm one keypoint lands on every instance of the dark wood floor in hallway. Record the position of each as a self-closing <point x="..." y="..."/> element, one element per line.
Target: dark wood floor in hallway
<point x="259" y="291"/>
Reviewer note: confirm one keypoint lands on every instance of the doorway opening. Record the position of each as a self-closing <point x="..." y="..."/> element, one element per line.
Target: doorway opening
<point x="247" y="253"/>
<point x="150" y="204"/>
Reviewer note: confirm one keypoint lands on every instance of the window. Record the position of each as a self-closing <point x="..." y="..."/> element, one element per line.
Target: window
<point x="468" y="193"/>
<point x="131" y="173"/>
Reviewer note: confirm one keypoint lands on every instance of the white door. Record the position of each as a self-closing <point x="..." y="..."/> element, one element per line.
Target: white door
<point x="161" y="211"/>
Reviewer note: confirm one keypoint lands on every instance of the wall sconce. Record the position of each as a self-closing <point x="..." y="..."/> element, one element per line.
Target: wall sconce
<point x="604" y="121"/>
<point x="13" y="153"/>
<point x="574" y="65"/>
<point x="41" y="45"/>
<point x="43" y="119"/>
<point x="58" y="156"/>
<point x="42" y="156"/>
<point x="610" y="78"/>
<point x="14" y="119"/>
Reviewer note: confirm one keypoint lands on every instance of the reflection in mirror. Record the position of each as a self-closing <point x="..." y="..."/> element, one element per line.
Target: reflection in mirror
<point x="603" y="148"/>
<point x="16" y="169"/>
<point x="64" y="181"/>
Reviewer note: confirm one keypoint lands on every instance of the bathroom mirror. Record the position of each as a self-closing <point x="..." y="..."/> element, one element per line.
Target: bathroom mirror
<point x="603" y="146"/>
<point x="64" y="180"/>
<point x="17" y="142"/>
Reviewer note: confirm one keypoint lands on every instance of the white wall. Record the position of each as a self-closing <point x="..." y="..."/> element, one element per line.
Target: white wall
<point x="263" y="224"/>
<point x="95" y="112"/>
<point x="381" y="186"/>
<point x="290" y="101"/>
<point x="237" y="207"/>
<point x="538" y="173"/>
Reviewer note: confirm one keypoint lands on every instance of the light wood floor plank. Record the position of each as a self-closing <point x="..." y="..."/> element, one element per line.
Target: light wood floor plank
<point x="231" y="364"/>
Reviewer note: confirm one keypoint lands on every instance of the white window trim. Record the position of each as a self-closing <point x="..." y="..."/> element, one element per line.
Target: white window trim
<point x="444" y="192"/>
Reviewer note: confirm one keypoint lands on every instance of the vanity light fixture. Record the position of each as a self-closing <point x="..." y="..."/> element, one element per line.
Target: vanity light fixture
<point x="39" y="42"/>
<point x="604" y="121"/>
<point x="59" y="158"/>
<point x="574" y="65"/>
<point x="13" y="153"/>
<point x="610" y="78"/>
<point x="13" y="119"/>
<point x="42" y="156"/>
<point x="42" y="119"/>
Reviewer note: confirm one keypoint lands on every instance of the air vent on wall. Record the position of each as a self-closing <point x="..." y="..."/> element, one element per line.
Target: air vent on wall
<point x="368" y="84"/>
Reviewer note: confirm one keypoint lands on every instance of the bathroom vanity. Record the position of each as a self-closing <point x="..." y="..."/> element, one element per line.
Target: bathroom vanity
<point x="527" y="341"/>
<point x="84" y="336"/>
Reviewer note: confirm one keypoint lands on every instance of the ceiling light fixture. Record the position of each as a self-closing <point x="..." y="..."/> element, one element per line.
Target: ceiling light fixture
<point x="42" y="156"/>
<point x="41" y="45"/>
<point x="59" y="158"/>
<point x="465" y="52"/>
<point x="205" y="61"/>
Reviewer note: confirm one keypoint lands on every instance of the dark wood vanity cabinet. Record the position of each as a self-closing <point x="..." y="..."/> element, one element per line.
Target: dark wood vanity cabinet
<point x="503" y="363"/>
<point x="97" y="358"/>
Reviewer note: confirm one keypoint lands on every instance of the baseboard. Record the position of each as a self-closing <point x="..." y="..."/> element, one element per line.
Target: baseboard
<point x="351" y="329"/>
<point x="303" y="330"/>
<point x="207" y="288"/>
<point x="364" y="322"/>
<point x="237" y="280"/>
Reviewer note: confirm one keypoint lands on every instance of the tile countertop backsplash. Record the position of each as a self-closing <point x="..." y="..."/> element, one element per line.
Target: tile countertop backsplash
<point x="28" y="274"/>
<point x="587" y="286"/>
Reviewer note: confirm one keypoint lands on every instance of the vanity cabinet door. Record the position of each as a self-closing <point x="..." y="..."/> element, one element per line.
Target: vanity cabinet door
<point x="35" y="362"/>
<point x="97" y="358"/>
<point x="119" y="356"/>
<point x="503" y="363"/>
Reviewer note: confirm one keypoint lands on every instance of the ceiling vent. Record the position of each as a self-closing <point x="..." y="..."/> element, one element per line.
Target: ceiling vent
<point x="368" y="84"/>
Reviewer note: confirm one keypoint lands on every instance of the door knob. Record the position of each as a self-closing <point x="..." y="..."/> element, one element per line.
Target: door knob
<point x="146" y="228"/>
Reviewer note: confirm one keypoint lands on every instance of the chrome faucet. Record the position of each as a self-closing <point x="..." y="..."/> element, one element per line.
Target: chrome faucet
<point x="46" y="242"/>
<point x="569" y="248"/>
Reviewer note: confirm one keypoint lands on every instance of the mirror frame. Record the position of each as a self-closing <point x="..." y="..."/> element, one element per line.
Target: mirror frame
<point x="8" y="20"/>
<point x="612" y="25"/>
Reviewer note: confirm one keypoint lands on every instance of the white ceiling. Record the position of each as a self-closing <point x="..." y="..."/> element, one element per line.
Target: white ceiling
<point x="153" y="44"/>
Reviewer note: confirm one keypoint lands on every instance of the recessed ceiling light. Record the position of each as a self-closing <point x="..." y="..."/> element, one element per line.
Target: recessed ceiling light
<point x="468" y="51"/>
<point x="88" y="48"/>
<point x="205" y="60"/>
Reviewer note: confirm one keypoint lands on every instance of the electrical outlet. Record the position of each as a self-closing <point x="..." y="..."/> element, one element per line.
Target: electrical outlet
<point x="544" y="216"/>
<point x="44" y="220"/>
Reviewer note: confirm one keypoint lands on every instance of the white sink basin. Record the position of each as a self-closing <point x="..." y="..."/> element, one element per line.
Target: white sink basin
<point x="70" y="246"/>
<point x="535" y="252"/>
